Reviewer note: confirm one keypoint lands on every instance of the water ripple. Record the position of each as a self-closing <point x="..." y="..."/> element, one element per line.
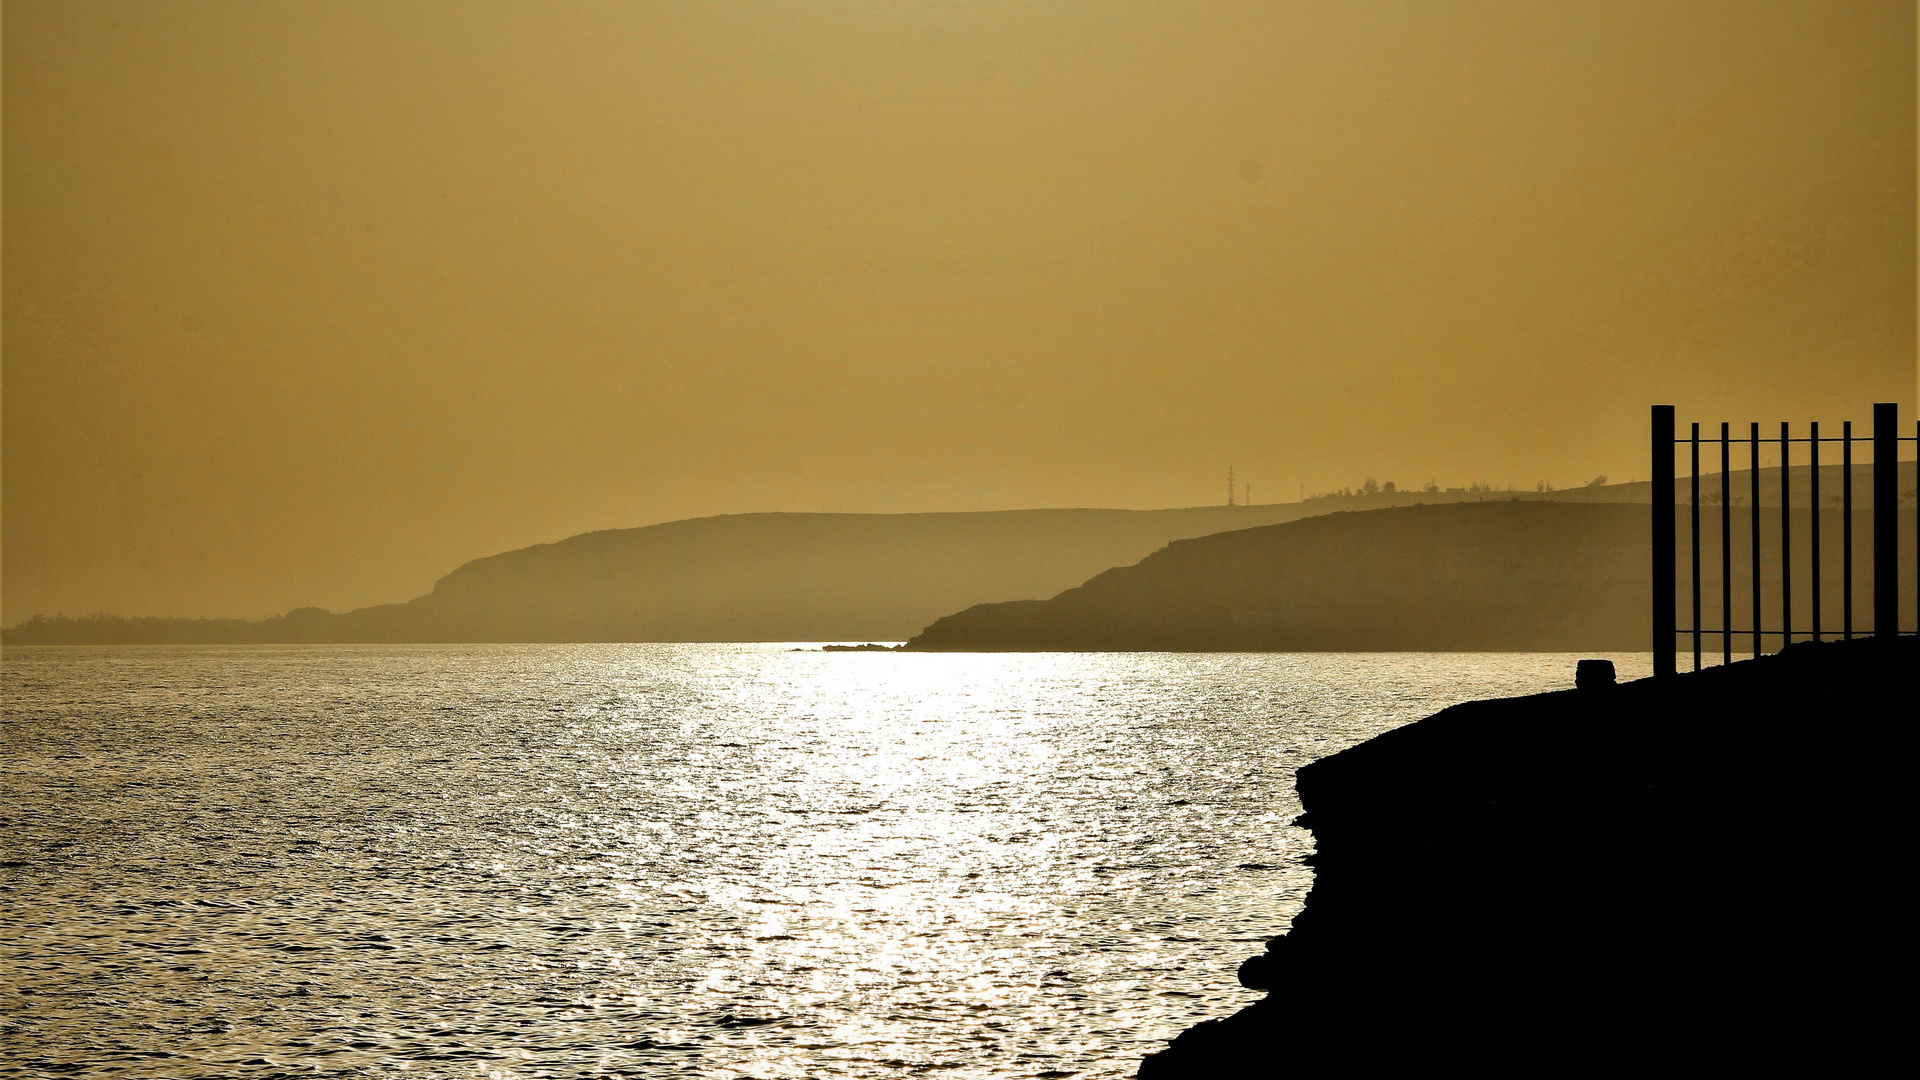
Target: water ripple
<point x="727" y="861"/>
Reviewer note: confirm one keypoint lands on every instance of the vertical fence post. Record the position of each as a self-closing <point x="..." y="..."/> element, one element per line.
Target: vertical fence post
<point x="1726" y="551"/>
<point x="1813" y="522"/>
<point x="1846" y="530"/>
<point x="1886" y="527"/>
<point x="1693" y="511"/>
<point x="1661" y="452"/>
<point x="1786" y="542"/>
<point x="1753" y="480"/>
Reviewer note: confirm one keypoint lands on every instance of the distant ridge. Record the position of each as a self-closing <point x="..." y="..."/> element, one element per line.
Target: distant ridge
<point x="791" y="576"/>
<point x="742" y="577"/>
<point x="1484" y="576"/>
<point x="1479" y="576"/>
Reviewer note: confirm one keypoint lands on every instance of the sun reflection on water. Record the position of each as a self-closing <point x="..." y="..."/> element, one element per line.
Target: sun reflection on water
<point x="723" y="860"/>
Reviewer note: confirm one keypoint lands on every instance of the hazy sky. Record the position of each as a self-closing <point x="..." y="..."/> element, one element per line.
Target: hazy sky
<point x="307" y="303"/>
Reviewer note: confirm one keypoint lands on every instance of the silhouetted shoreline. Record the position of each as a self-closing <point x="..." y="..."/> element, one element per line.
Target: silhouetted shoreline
<point x="970" y="581"/>
<point x="733" y="577"/>
<point x="1493" y="576"/>
<point x="1700" y="871"/>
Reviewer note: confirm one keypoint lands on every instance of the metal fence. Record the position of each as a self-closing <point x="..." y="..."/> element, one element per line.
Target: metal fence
<point x="1885" y="441"/>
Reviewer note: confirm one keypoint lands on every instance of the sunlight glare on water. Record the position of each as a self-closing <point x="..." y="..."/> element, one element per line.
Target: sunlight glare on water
<point x="710" y="860"/>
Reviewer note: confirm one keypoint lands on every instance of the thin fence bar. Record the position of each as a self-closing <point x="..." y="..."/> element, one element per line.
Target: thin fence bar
<point x="1663" y="568"/>
<point x="1753" y="479"/>
<point x="1886" y="594"/>
<point x="1846" y="530"/>
<point x="1693" y="510"/>
<point x="1813" y="523"/>
<point x="1786" y="543"/>
<point x="1726" y="553"/>
<point x="1886" y="529"/>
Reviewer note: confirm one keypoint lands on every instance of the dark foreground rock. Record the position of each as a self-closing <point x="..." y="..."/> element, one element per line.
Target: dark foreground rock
<point x="1708" y="873"/>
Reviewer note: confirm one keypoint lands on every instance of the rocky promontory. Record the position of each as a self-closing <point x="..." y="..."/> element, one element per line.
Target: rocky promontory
<point x="1487" y="576"/>
<point x="1698" y="873"/>
<point x="1476" y="576"/>
<point x="735" y="577"/>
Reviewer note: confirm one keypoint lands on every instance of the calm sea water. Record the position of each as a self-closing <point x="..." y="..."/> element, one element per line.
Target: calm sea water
<point x="645" y="860"/>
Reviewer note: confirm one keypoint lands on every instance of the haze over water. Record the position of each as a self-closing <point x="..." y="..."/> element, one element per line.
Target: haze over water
<point x="714" y="860"/>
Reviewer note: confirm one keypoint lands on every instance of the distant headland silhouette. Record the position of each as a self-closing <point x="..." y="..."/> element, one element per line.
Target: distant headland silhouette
<point x="892" y="577"/>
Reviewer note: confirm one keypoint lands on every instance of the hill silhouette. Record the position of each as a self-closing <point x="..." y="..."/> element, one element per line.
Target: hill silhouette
<point x="1478" y="576"/>
<point x="1493" y="576"/>
<point x="743" y="577"/>
<point x="829" y="577"/>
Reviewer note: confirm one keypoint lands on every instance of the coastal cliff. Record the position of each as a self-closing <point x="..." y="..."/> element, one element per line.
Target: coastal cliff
<point x="1700" y="872"/>
<point x="1492" y="576"/>
<point x="737" y="577"/>
<point x="1481" y="576"/>
<point x="1393" y="571"/>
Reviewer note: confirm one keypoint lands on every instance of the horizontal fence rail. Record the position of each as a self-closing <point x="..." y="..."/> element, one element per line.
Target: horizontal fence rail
<point x="1886" y="443"/>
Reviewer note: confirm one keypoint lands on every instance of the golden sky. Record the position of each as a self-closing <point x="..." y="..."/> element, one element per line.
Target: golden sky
<point x="307" y="303"/>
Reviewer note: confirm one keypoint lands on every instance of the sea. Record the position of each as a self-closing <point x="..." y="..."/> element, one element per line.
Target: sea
<point x="694" y="860"/>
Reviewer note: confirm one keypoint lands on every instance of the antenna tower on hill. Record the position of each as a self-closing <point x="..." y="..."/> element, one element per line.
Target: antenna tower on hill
<point x="1230" y="485"/>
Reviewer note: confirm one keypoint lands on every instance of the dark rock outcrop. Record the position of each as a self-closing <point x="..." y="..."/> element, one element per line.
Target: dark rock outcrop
<point x="1700" y="873"/>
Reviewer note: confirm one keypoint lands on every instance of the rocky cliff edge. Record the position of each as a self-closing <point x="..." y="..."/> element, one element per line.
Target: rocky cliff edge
<point x="1705" y="872"/>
